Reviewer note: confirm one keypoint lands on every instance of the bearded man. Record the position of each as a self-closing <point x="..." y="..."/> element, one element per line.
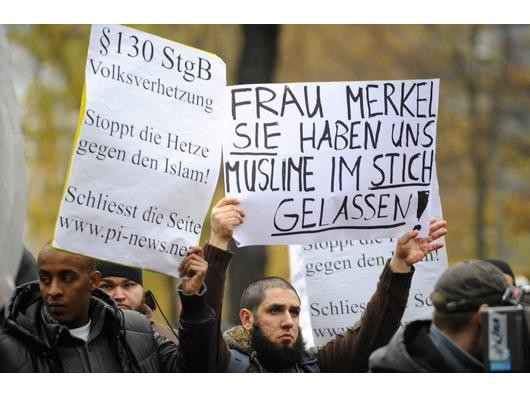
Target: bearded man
<point x="269" y="337"/>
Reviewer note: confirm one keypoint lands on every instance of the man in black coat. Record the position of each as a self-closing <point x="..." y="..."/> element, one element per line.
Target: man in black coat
<point x="63" y="323"/>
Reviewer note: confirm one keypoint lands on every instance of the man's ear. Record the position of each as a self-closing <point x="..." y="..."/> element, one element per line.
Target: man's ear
<point x="95" y="277"/>
<point x="476" y="316"/>
<point x="247" y="319"/>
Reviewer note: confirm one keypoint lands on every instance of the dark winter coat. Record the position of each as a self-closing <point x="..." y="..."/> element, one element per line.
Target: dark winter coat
<point x="165" y="331"/>
<point x="119" y="341"/>
<point x="217" y="261"/>
<point x="411" y="350"/>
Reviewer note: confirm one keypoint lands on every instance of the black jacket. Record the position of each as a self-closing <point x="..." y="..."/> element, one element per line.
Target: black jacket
<point x="119" y="341"/>
<point x="411" y="350"/>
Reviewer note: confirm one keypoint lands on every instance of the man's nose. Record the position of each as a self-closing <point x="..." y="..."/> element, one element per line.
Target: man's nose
<point x="117" y="294"/>
<point x="55" y="289"/>
<point x="287" y="320"/>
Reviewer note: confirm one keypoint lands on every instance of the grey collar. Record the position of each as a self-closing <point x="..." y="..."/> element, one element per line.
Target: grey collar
<point x="456" y="358"/>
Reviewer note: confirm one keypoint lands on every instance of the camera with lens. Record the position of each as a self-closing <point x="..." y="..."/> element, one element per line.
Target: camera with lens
<point x="506" y="332"/>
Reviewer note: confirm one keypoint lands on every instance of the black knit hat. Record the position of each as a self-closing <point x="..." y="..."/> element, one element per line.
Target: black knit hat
<point x="467" y="285"/>
<point x="110" y="269"/>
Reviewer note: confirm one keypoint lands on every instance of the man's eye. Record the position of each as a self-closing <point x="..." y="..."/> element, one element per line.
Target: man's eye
<point x="295" y="313"/>
<point x="128" y="285"/>
<point x="275" y="311"/>
<point x="68" y="277"/>
<point x="104" y="286"/>
<point x="44" y="279"/>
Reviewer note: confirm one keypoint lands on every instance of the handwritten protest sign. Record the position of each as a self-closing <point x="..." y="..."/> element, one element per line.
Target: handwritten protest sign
<point x="147" y="151"/>
<point x="336" y="279"/>
<point x="322" y="161"/>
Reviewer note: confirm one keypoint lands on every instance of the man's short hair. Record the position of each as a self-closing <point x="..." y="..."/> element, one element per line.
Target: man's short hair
<point x="255" y="292"/>
<point x="452" y="322"/>
<point x="90" y="262"/>
<point x="462" y="289"/>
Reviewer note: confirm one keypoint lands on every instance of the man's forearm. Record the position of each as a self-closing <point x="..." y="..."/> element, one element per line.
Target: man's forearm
<point x="218" y="261"/>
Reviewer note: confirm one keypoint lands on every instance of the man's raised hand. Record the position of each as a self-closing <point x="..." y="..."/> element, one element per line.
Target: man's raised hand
<point x="192" y="270"/>
<point x="410" y="248"/>
<point x="225" y="215"/>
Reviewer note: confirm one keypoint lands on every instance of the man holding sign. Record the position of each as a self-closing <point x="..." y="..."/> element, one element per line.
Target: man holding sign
<point x="63" y="323"/>
<point x="269" y="338"/>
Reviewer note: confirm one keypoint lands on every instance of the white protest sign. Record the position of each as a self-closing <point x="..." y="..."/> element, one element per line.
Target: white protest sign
<point x="322" y="161"/>
<point x="146" y="158"/>
<point x="340" y="277"/>
<point x="297" y="279"/>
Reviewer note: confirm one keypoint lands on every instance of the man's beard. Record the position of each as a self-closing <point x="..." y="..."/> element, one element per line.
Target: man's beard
<point x="273" y="357"/>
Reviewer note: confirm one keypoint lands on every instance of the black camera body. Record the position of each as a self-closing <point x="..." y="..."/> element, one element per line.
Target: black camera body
<point x="506" y="333"/>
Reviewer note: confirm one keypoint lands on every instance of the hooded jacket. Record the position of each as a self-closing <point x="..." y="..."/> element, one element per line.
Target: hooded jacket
<point x="420" y="348"/>
<point x="411" y="350"/>
<point x="119" y="341"/>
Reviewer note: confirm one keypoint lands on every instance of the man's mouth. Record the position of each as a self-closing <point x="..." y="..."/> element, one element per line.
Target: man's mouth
<point x="123" y="306"/>
<point x="287" y="337"/>
<point x="55" y="308"/>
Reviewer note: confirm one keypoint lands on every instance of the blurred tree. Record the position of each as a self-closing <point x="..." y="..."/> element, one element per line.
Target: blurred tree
<point x="492" y="79"/>
<point x="52" y="104"/>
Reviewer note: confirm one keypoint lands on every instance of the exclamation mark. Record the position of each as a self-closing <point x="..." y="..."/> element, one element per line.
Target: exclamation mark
<point x="207" y="174"/>
<point x="423" y="200"/>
